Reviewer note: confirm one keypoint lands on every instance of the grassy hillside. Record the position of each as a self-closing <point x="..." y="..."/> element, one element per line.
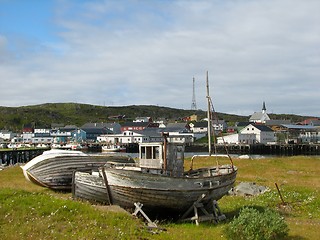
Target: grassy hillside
<point x="14" y="118"/>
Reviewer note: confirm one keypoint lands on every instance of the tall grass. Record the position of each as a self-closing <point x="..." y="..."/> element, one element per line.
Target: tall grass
<point x="28" y="211"/>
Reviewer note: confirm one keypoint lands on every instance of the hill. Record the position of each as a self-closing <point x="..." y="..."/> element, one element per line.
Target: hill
<point x="43" y="115"/>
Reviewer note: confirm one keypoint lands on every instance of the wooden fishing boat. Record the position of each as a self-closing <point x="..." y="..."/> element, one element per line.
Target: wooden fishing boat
<point x="158" y="188"/>
<point x="54" y="168"/>
<point x="158" y="181"/>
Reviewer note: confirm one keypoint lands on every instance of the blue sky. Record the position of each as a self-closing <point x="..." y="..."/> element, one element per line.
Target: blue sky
<point x="118" y="53"/>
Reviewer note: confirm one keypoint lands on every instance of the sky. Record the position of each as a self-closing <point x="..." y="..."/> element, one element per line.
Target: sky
<point x="147" y="52"/>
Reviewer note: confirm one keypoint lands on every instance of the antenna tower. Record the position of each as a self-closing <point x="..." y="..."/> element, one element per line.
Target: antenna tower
<point x="193" y="104"/>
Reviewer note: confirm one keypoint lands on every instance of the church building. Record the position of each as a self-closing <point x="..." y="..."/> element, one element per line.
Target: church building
<point x="260" y="117"/>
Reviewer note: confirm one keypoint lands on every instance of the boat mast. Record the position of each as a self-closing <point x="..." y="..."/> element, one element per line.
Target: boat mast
<point x="209" y="117"/>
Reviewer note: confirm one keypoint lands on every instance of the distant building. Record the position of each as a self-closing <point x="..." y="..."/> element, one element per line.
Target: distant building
<point x="263" y="133"/>
<point x="180" y="133"/>
<point x="93" y="133"/>
<point x="143" y="119"/>
<point x="39" y="136"/>
<point x="260" y="117"/>
<point x="114" y="127"/>
<point x="301" y="133"/>
<point x="194" y="117"/>
<point x="237" y="139"/>
<point x="251" y="134"/>
<point x="138" y="126"/>
<point x="218" y="126"/>
<point x="277" y="125"/>
<point x="125" y="137"/>
<point x="7" y="135"/>
<point x="199" y="127"/>
<point x="311" y="122"/>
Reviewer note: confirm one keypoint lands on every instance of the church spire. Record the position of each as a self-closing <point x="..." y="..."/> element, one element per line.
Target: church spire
<point x="264" y="109"/>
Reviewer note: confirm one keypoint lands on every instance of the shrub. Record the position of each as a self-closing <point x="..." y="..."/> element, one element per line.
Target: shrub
<point x="252" y="224"/>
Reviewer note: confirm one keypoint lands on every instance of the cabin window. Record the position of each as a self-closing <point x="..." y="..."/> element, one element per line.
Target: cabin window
<point x="150" y="152"/>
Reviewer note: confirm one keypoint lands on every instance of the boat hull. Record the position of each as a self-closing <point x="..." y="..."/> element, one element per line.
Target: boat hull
<point x="55" y="171"/>
<point x="91" y="187"/>
<point x="165" y="193"/>
<point x="158" y="194"/>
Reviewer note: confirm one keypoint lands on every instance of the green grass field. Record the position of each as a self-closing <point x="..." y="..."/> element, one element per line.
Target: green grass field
<point x="28" y="211"/>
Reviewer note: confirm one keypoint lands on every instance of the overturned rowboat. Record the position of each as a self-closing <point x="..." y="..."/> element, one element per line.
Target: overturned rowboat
<point x="54" y="168"/>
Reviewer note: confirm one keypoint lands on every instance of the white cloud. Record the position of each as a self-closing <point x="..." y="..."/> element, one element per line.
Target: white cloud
<point x="118" y="53"/>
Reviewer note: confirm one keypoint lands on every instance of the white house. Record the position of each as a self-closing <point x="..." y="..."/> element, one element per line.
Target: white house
<point x="237" y="139"/>
<point x="263" y="133"/>
<point x="250" y="134"/>
<point x="125" y="137"/>
<point x="311" y="136"/>
<point x="143" y="119"/>
<point x="217" y="126"/>
<point x="6" y="135"/>
<point x="199" y="127"/>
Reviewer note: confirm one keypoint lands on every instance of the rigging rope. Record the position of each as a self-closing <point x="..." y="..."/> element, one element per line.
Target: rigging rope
<point x="213" y="112"/>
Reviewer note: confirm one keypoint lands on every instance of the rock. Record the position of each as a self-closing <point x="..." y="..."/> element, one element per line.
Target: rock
<point x="248" y="189"/>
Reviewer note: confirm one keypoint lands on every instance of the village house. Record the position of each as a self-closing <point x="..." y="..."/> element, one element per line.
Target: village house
<point x="138" y="126"/>
<point x="7" y="135"/>
<point x="310" y="136"/>
<point x="263" y="133"/>
<point x="218" y="126"/>
<point x="276" y="125"/>
<point x="143" y="119"/>
<point x="126" y="137"/>
<point x="179" y="133"/>
<point x="300" y="133"/>
<point x="310" y="121"/>
<point x="237" y="138"/>
<point x="42" y="136"/>
<point x="114" y="127"/>
<point x="199" y="127"/>
<point x="251" y="134"/>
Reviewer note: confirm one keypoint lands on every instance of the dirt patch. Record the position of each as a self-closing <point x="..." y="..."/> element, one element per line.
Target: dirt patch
<point x="111" y="208"/>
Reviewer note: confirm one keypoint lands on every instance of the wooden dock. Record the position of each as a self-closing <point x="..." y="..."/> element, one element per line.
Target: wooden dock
<point x="16" y="156"/>
<point x="261" y="149"/>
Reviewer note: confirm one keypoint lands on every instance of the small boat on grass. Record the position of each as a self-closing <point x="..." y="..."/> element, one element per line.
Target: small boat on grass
<point x="161" y="184"/>
<point x="158" y="182"/>
<point x="54" y="168"/>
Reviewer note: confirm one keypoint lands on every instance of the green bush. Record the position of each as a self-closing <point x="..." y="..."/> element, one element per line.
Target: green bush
<point x="252" y="224"/>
